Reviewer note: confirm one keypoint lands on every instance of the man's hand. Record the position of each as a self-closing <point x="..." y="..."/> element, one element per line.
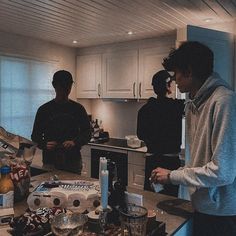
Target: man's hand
<point x="160" y="175"/>
<point x="68" y="144"/>
<point x="51" y="145"/>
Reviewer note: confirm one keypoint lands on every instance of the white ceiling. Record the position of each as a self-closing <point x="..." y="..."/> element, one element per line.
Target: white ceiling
<point x="95" y="22"/>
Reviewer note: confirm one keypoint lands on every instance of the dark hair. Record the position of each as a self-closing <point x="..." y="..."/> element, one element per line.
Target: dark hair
<point x="159" y="82"/>
<point x="191" y="55"/>
<point x="62" y="78"/>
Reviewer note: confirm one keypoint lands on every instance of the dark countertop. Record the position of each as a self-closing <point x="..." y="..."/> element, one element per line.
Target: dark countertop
<point x="173" y="211"/>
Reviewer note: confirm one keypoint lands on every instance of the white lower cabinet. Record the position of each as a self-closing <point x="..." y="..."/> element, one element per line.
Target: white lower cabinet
<point x="136" y="169"/>
<point x="86" y="161"/>
<point x="136" y="165"/>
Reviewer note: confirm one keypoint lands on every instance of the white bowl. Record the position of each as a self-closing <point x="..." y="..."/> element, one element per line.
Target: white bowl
<point x="133" y="141"/>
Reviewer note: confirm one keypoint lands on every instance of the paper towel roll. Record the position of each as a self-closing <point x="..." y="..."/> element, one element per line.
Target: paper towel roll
<point x="77" y="203"/>
<point x="57" y="199"/>
<point x="36" y="200"/>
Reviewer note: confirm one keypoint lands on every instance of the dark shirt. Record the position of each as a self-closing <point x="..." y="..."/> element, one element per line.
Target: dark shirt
<point x="61" y="122"/>
<point x="159" y="124"/>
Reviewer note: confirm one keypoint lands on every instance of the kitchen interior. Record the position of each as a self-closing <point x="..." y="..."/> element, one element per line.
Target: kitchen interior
<point x="113" y="48"/>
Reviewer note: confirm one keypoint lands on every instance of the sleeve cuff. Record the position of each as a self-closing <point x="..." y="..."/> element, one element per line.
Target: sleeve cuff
<point x="176" y="176"/>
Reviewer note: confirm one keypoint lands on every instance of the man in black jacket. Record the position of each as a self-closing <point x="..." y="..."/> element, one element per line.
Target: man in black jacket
<point x="159" y="125"/>
<point x="62" y="127"/>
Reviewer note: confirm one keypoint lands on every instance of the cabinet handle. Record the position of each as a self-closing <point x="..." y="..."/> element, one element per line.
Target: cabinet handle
<point x="134" y="85"/>
<point x="99" y="90"/>
<point x="139" y="89"/>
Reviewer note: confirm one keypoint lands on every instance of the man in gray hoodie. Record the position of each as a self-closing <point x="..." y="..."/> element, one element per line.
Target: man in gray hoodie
<point x="210" y="113"/>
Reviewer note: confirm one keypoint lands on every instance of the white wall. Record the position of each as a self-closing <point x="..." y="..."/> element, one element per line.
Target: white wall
<point x="64" y="57"/>
<point x="118" y="117"/>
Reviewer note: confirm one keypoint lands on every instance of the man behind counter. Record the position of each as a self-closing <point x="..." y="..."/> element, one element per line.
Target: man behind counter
<point x="159" y="125"/>
<point x="62" y="127"/>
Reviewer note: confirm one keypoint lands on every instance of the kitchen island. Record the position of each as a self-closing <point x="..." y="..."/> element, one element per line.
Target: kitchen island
<point x="175" y="213"/>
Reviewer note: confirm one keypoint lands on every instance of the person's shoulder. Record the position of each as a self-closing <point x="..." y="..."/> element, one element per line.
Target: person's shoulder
<point x="46" y="105"/>
<point x="222" y="94"/>
<point x="177" y="101"/>
<point x="150" y="102"/>
<point x="76" y="104"/>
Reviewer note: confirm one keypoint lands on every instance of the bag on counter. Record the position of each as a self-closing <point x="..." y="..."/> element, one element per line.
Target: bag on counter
<point x="17" y="152"/>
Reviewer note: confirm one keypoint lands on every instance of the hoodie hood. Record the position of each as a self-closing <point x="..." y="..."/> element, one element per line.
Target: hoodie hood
<point x="152" y="100"/>
<point x="209" y="86"/>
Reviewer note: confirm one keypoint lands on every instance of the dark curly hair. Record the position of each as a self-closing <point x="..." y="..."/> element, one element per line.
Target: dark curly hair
<point x="160" y="81"/>
<point x="191" y="55"/>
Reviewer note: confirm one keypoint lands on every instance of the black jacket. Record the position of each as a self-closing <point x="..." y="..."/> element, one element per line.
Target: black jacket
<point x="60" y="122"/>
<point x="159" y="124"/>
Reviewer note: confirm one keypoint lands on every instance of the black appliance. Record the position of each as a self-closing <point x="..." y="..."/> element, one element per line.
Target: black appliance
<point x="120" y="159"/>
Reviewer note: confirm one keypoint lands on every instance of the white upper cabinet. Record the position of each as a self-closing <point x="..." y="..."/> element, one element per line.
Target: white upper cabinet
<point x="122" y="71"/>
<point x="88" y="83"/>
<point x="150" y="62"/>
<point x="120" y="74"/>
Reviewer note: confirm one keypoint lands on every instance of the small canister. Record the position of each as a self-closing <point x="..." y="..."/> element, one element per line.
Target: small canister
<point x="93" y="222"/>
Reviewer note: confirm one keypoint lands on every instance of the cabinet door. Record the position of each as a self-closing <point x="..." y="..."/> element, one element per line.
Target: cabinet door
<point x="136" y="176"/>
<point x="88" y="73"/>
<point x="86" y="161"/>
<point x="150" y="62"/>
<point x="119" y="74"/>
<point x="136" y="169"/>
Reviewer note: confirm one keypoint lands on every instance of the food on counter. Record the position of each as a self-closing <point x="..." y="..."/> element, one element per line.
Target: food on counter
<point x="34" y="222"/>
<point x="17" y="152"/>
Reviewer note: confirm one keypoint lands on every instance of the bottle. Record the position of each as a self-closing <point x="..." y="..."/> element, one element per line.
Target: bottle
<point x="96" y="129"/>
<point x="101" y="130"/>
<point x="116" y="200"/>
<point x="6" y="188"/>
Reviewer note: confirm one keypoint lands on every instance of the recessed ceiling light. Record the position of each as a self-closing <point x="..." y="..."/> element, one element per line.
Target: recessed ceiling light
<point x="208" y="20"/>
<point x="130" y="32"/>
<point x="75" y="41"/>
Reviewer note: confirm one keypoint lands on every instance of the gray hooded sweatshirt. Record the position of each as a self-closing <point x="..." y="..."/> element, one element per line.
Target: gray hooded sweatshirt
<point x="211" y="145"/>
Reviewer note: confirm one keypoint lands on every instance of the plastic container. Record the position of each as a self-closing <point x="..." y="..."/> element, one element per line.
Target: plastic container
<point x="133" y="141"/>
<point x="6" y="188"/>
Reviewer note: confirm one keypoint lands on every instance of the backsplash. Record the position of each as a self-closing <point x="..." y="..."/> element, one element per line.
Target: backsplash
<point x="118" y="117"/>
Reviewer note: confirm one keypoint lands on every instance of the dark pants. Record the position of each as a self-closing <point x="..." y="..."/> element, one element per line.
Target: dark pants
<point x="209" y="225"/>
<point x="158" y="160"/>
<point x="68" y="160"/>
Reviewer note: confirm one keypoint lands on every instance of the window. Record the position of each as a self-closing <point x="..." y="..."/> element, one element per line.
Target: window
<point x="24" y="86"/>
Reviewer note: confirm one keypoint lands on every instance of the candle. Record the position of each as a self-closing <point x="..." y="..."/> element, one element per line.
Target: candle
<point x="104" y="188"/>
<point x="102" y="166"/>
